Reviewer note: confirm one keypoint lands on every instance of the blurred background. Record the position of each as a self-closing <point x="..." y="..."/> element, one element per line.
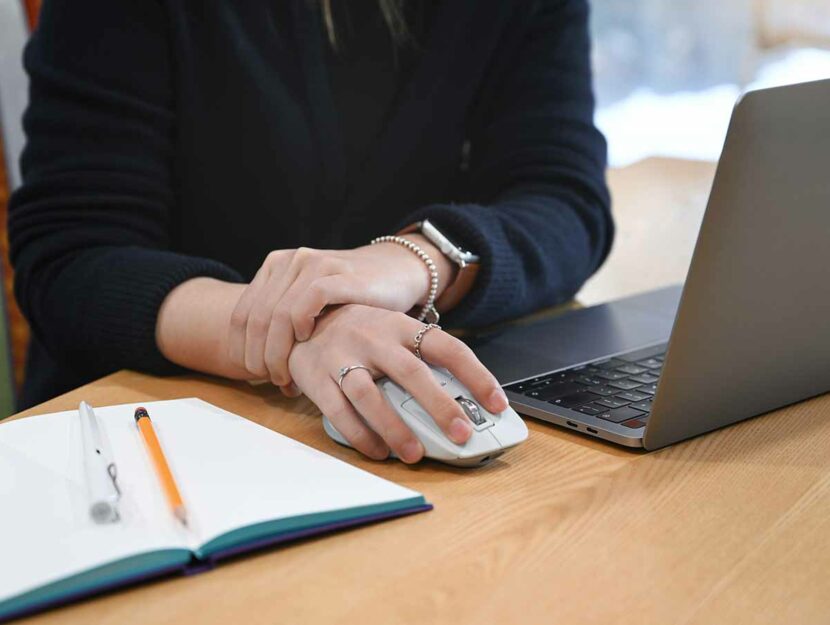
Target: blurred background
<point x="667" y="73"/>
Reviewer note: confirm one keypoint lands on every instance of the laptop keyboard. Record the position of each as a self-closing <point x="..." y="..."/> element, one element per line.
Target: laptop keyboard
<point x="619" y="389"/>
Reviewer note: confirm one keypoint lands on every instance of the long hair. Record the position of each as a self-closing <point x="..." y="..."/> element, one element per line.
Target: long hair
<point x="393" y="15"/>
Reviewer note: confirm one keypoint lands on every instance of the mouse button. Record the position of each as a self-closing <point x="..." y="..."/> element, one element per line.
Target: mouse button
<point x="494" y="439"/>
<point x="480" y="443"/>
<point x="414" y="409"/>
<point x="394" y="392"/>
<point x="442" y="376"/>
<point x="511" y="429"/>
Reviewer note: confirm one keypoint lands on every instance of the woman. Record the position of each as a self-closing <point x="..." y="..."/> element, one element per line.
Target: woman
<point x="178" y="150"/>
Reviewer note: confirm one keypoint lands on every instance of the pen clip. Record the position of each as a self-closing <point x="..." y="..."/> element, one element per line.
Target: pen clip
<point x="112" y="471"/>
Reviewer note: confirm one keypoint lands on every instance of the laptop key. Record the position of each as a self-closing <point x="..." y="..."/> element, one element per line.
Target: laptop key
<point x="620" y="414"/>
<point x="591" y="410"/>
<point x="598" y="407"/>
<point x="587" y="380"/>
<point x="642" y="405"/>
<point x="632" y="396"/>
<point x="573" y="400"/>
<point x="539" y="382"/>
<point x="603" y="391"/>
<point x="650" y="389"/>
<point x="562" y="376"/>
<point x="625" y="385"/>
<point x="644" y="379"/>
<point x="559" y="389"/>
<point x="611" y="402"/>
<point x="634" y="423"/>
<point x="650" y="363"/>
<point x="632" y="369"/>
<point x="610" y="375"/>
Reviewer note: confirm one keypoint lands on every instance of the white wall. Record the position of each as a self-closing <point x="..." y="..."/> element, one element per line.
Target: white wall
<point x="14" y="84"/>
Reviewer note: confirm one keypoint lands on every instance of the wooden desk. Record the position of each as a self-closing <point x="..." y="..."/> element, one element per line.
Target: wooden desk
<point x="728" y="528"/>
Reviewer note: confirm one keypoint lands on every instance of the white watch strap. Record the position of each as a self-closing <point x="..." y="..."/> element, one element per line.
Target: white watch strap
<point x="459" y="256"/>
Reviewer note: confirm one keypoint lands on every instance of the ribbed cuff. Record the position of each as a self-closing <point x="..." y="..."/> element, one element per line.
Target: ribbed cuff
<point x="478" y="229"/>
<point x="124" y="310"/>
<point x="535" y="252"/>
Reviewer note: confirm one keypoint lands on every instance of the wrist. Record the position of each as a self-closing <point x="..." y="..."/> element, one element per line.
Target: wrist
<point x="447" y="269"/>
<point x="192" y="325"/>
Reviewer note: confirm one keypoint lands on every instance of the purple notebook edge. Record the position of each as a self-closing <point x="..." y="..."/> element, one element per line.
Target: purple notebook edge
<point x="314" y="530"/>
<point x="201" y="566"/>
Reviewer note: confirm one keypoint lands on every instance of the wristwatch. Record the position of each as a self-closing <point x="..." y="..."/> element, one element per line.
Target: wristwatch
<point x="468" y="263"/>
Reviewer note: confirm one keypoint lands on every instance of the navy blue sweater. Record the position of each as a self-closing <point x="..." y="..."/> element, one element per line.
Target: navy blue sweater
<point x="169" y="139"/>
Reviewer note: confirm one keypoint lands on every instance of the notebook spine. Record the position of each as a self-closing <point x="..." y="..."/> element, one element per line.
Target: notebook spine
<point x="199" y="565"/>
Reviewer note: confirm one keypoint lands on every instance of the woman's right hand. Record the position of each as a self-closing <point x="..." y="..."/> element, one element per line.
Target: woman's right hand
<point x="383" y="341"/>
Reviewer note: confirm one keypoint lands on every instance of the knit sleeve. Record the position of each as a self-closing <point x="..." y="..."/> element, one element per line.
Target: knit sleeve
<point x="541" y="218"/>
<point x="89" y="228"/>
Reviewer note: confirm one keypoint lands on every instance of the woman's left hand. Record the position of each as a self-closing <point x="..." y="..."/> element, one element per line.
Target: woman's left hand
<point x="292" y="287"/>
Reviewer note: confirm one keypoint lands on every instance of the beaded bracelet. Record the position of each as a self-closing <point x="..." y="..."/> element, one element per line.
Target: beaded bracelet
<point x="429" y="307"/>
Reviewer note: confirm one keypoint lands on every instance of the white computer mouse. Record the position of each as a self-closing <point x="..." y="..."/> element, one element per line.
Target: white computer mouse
<point x="493" y="434"/>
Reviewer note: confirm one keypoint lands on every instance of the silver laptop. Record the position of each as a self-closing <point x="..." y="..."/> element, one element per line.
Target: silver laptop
<point x="748" y="333"/>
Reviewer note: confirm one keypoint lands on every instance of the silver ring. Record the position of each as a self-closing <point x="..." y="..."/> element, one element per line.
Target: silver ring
<point x="344" y="371"/>
<point x="420" y="337"/>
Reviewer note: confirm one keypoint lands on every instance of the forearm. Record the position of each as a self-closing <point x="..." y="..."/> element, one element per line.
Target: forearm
<point x="192" y="326"/>
<point x="535" y="252"/>
<point x="536" y="207"/>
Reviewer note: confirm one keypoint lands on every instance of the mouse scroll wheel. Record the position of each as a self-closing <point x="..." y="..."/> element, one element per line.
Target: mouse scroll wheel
<point x="471" y="410"/>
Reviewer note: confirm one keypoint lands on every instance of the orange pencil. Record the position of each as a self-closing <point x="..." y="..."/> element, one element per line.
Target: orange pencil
<point x="168" y="484"/>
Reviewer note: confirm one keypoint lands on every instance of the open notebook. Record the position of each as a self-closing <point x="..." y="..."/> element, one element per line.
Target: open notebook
<point x="244" y="486"/>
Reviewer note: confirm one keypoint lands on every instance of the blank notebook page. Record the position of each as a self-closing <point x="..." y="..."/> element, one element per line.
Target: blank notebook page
<point x="232" y="473"/>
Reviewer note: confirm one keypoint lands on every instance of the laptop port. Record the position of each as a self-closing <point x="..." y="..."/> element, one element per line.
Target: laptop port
<point x="572" y="424"/>
<point x="592" y="430"/>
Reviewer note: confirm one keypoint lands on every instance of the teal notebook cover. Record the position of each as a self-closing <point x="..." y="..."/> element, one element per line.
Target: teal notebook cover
<point x="157" y="564"/>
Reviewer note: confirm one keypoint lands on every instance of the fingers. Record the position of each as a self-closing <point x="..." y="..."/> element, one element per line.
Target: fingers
<point x="414" y="375"/>
<point x="239" y="317"/>
<point x="444" y="350"/>
<point x="281" y="331"/>
<point x="382" y="340"/>
<point x="277" y="346"/>
<point x="322" y="292"/>
<point x="275" y="267"/>
<point x="360" y="389"/>
<point x="314" y="380"/>
<point x="269" y="319"/>
<point x="291" y="390"/>
<point x="262" y="333"/>
<point x="343" y="416"/>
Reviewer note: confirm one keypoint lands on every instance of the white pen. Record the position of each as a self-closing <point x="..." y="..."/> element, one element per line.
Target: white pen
<point x="99" y="468"/>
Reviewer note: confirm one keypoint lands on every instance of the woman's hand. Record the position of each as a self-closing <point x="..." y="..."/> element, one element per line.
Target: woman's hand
<point x="294" y="286"/>
<point x="382" y="340"/>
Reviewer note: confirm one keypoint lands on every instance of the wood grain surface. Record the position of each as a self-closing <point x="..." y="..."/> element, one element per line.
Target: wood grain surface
<point x="729" y="528"/>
